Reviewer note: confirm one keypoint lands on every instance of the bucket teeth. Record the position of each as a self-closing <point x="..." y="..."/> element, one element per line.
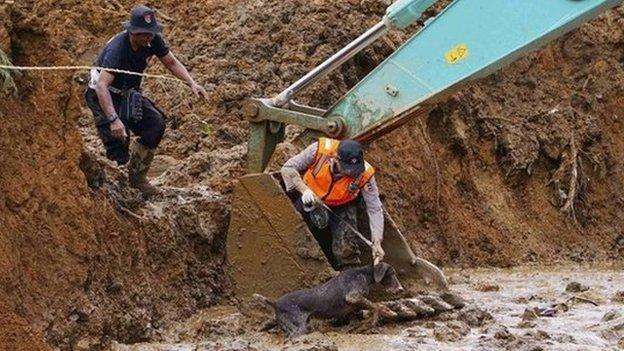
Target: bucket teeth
<point x="437" y="303"/>
<point x="453" y="300"/>
<point x="420" y="307"/>
<point x="423" y="306"/>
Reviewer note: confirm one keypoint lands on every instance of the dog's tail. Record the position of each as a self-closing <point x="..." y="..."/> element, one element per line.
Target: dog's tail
<point x="264" y="300"/>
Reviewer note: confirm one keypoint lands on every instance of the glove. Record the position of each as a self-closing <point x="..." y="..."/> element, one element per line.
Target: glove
<point x="308" y="198"/>
<point x="378" y="252"/>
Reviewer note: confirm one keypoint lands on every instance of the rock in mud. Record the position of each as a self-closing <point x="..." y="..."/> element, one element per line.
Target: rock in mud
<point x="502" y="333"/>
<point x="529" y="315"/>
<point x="475" y="317"/>
<point x="575" y="287"/>
<point x="487" y="287"/>
<point x="443" y="333"/>
<point x="611" y="315"/>
<point x="236" y="345"/>
<point x="618" y="297"/>
<point x="312" y="345"/>
<point x="613" y="327"/>
<point x="460" y="327"/>
<point x="542" y="335"/>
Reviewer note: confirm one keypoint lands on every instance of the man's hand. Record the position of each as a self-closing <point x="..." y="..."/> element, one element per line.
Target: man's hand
<point x="378" y="252"/>
<point x="309" y="198"/>
<point x="118" y="130"/>
<point x="199" y="91"/>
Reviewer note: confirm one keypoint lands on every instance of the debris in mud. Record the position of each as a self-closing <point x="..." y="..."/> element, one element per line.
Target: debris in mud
<point x="542" y="335"/>
<point x="486" y="287"/>
<point x="311" y="345"/>
<point x="612" y="325"/>
<point x="529" y="314"/>
<point x="451" y="331"/>
<point x="611" y="315"/>
<point x="475" y="316"/>
<point x="501" y="332"/>
<point x="618" y="297"/>
<point x="581" y="299"/>
<point x="576" y="287"/>
<point x="459" y="278"/>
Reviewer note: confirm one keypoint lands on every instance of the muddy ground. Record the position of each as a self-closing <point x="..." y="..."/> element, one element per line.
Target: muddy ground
<point x="523" y="308"/>
<point x="484" y="180"/>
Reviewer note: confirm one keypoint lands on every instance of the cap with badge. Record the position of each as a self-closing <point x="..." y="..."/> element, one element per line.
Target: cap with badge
<point x="351" y="156"/>
<point x="142" y="20"/>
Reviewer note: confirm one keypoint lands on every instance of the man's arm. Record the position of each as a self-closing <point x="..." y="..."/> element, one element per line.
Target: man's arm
<point x="374" y="209"/>
<point x="296" y="164"/>
<point x="117" y="128"/>
<point x="177" y="69"/>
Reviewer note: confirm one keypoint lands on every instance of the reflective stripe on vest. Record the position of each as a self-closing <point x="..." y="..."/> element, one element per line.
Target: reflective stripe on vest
<point x="318" y="177"/>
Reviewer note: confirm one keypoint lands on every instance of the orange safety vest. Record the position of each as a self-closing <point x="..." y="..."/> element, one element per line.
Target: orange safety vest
<point x="318" y="177"/>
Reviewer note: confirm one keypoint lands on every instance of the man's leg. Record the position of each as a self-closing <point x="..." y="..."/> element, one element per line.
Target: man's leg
<point x="116" y="149"/>
<point x="322" y="236"/>
<point x="150" y="130"/>
<point x="344" y="245"/>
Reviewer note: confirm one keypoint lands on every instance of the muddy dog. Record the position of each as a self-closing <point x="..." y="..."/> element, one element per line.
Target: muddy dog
<point x="337" y="298"/>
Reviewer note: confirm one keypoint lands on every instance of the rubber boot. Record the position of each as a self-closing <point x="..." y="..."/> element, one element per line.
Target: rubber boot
<point x="140" y="160"/>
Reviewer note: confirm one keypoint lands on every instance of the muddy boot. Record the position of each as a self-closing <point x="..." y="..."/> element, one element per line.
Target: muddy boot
<point x="140" y="160"/>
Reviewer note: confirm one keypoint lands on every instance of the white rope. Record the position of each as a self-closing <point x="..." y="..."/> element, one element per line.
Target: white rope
<point x="87" y="68"/>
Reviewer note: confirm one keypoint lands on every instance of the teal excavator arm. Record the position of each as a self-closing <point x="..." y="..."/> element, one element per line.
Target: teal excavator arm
<point x="467" y="40"/>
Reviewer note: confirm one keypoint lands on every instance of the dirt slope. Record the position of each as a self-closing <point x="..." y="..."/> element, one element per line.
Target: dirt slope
<point x="84" y="261"/>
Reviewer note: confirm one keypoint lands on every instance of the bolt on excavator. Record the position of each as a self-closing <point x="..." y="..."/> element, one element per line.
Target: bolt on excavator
<point x="270" y="249"/>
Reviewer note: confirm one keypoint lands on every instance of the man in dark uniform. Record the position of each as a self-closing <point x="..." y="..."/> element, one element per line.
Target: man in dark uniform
<point x="131" y="50"/>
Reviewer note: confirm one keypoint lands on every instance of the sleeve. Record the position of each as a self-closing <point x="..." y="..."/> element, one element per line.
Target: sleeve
<point x="374" y="209"/>
<point x="159" y="46"/>
<point x="112" y="58"/>
<point x="297" y="164"/>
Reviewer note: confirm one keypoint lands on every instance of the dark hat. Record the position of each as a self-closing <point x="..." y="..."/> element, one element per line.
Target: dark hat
<point x="142" y="20"/>
<point x="351" y="157"/>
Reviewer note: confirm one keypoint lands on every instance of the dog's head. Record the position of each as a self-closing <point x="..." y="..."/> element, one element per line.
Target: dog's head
<point x="384" y="274"/>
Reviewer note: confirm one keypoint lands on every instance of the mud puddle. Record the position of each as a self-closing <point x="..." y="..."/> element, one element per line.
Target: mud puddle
<point x="525" y="308"/>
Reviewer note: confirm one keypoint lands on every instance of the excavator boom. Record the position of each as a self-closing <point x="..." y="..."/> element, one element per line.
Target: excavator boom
<point x="468" y="40"/>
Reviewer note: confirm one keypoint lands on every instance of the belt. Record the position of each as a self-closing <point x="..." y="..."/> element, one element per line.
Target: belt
<point x="114" y="90"/>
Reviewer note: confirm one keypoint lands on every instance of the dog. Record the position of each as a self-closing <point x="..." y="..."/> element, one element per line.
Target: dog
<point x="339" y="297"/>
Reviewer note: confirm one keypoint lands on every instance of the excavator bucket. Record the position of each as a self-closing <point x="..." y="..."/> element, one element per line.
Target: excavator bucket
<point x="271" y="250"/>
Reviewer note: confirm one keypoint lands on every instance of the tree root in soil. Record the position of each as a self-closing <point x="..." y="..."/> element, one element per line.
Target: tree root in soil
<point x="7" y="84"/>
<point x="569" y="173"/>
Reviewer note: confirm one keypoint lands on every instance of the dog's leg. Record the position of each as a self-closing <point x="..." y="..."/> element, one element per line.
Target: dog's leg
<point x="368" y="323"/>
<point x="301" y="324"/>
<point x="294" y="322"/>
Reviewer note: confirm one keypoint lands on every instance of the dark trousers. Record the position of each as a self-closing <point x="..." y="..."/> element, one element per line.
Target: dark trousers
<point x="149" y="129"/>
<point x="338" y="242"/>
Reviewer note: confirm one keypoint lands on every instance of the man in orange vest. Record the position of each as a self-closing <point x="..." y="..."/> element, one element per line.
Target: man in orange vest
<point x="335" y="174"/>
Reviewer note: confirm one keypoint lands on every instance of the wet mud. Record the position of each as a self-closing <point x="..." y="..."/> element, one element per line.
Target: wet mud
<point x="530" y="310"/>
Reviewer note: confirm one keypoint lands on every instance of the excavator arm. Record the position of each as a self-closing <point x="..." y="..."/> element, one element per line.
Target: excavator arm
<point x="466" y="41"/>
<point x="270" y="249"/>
